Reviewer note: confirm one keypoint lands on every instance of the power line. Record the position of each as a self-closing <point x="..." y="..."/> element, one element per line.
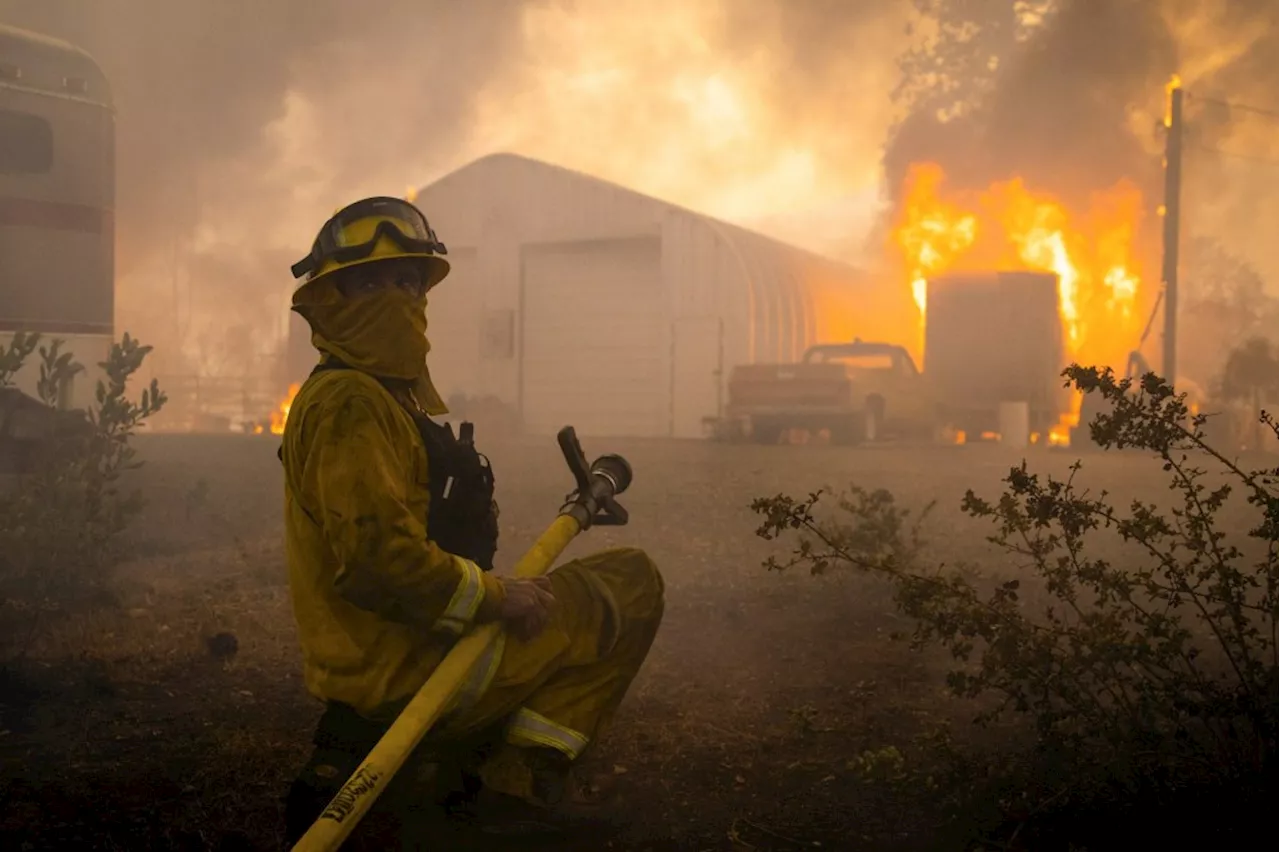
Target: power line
<point x="1209" y="149"/>
<point x="1234" y="105"/>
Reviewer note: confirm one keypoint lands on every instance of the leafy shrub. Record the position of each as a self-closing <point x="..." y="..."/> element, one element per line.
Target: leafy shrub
<point x="1154" y="671"/>
<point x="63" y="508"/>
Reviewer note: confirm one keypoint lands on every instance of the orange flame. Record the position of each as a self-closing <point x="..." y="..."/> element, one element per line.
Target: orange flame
<point x="281" y="414"/>
<point x="1175" y="82"/>
<point x="1060" y="435"/>
<point x="1009" y="226"/>
<point x="930" y="232"/>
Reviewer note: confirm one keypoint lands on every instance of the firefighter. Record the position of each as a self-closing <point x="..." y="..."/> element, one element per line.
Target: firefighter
<point x="390" y="532"/>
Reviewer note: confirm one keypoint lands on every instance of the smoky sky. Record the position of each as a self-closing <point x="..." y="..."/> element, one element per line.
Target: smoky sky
<point x="196" y="81"/>
<point x="1056" y="113"/>
<point x="1076" y="107"/>
<point x="387" y="95"/>
<point x="387" y="90"/>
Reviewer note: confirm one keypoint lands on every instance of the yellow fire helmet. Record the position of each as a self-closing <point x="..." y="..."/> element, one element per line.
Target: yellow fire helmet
<point x="379" y="228"/>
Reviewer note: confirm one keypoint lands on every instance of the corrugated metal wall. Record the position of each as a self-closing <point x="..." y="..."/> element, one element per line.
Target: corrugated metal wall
<point x="761" y="299"/>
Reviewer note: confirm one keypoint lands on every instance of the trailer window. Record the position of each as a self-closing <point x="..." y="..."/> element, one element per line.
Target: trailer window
<point x="26" y="143"/>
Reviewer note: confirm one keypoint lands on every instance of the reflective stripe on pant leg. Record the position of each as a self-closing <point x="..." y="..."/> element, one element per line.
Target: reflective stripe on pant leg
<point x="528" y="728"/>
<point x="461" y="611"/>
<point x="478" y="679"/>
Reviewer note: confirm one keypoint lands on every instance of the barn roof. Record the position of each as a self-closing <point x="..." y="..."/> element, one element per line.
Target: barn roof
<point x="735" y="233"/>
<point x="787" y="297"/>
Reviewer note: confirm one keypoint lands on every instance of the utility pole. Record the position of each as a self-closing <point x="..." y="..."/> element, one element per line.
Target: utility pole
<point x="1172" y="196"/>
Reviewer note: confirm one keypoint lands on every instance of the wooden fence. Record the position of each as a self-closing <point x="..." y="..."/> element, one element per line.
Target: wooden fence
<point x="217" y="403"/>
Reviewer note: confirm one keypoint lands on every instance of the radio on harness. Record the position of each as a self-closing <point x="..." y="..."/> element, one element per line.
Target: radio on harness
<point x="463" y="516"/>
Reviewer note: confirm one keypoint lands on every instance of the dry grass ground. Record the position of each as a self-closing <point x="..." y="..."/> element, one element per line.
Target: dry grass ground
<point x="121" y="730"/>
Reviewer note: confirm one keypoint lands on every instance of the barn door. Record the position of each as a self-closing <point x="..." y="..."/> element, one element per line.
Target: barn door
<point x="697" y="366"/>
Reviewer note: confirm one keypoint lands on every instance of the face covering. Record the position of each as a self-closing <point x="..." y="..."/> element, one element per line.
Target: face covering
<point x="383" y="334"/>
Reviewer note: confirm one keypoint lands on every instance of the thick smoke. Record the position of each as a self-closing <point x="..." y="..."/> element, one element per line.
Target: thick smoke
<point x="754" y="112"/>
<point x="1058" y="109"/>
<point x="1081" y="96"/>
<point x="1077" y="104"/>
<point x="242" y="123"/>
<point x="196" y="83"/>
<point x="216" y="192"/>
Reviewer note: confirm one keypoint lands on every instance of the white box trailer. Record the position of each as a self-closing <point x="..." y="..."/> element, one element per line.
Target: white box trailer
<point x="993" y="338"/>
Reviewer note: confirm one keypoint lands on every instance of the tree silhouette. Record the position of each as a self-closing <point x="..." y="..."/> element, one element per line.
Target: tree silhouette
<point x="1252" y="374"/>
<point x="1224" y="299"/>
<point x="959" y="47"/>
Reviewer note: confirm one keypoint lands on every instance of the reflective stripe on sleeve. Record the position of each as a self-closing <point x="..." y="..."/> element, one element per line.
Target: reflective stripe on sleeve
<point x="462" y="607"/>
<point x="478" y="679"/>
<point x="528" y="728"/>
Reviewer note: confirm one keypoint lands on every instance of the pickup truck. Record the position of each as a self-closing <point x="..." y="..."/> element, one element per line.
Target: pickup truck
<point x="856" y="391"/>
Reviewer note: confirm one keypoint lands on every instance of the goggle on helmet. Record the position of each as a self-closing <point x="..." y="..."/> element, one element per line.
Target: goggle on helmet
<point x="380" y="228"/>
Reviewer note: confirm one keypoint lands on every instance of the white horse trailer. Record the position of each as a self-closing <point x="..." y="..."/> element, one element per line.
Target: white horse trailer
<point x="57" y="199"/>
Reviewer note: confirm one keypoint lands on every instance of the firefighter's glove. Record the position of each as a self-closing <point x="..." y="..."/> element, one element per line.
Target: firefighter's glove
<point x="527" y="606"/>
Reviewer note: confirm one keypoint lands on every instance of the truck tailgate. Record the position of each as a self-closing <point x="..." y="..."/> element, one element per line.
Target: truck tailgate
<point x="788" y="386"/>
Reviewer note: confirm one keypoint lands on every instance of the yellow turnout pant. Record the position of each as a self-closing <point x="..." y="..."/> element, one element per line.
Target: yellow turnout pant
<point x="561" y="689"/>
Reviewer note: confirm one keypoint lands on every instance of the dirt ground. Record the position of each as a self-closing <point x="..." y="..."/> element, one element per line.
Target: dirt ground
<point x="122" y="730"/>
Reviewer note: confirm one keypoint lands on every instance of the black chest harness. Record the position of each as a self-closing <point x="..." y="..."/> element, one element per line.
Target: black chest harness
<point x="463" y="516"/>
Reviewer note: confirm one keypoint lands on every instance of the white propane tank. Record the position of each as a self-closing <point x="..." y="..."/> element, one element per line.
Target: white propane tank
<point x="1015" y="424"/>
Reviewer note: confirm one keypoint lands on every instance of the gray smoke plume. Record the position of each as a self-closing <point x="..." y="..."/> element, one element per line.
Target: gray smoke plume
<point x="1060" y="105"/>
<point x="243" y="123"/>
<point x="1073" y="101"/>
<point x="208" y="180"/>
<point x="196" y="83"/>
<point x="1057" y="110"/>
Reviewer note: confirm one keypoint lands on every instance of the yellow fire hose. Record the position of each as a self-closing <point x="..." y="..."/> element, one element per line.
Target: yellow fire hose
<point x="591" y="503"/>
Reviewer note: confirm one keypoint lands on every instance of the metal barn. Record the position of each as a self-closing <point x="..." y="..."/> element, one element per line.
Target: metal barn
<point x="580" y="302"/>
